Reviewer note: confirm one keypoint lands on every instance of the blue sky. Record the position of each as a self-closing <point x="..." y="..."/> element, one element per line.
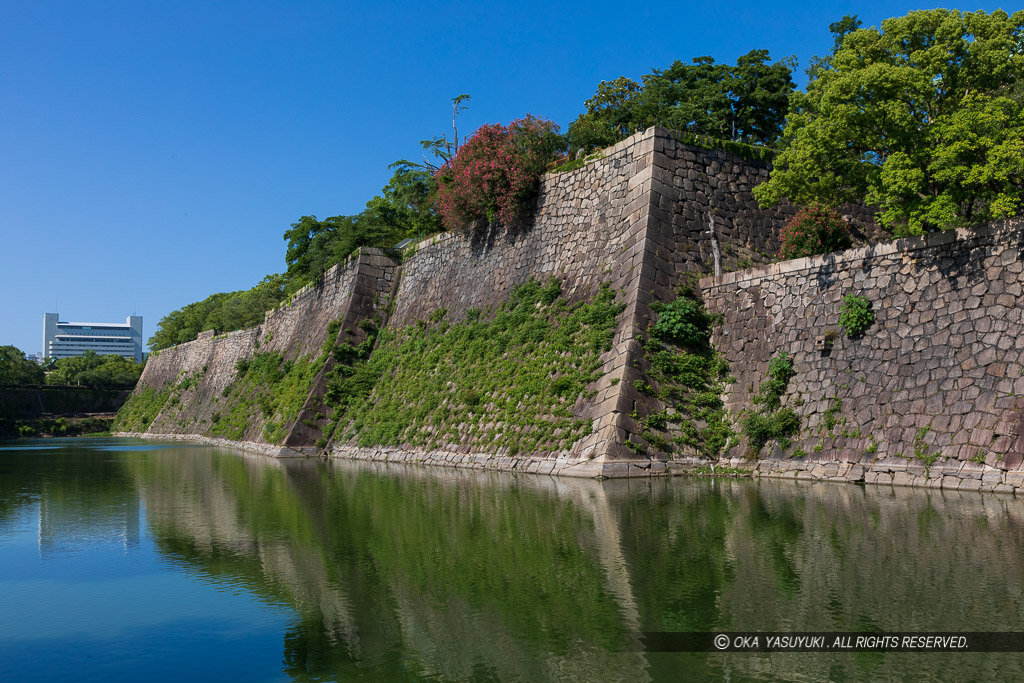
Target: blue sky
<point x="152" y="153"/>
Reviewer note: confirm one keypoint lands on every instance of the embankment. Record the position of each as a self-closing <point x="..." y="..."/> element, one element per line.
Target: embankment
<point x="57" y="410"/>
<point x="931" y="394"/>
<point x="928" y="396"/>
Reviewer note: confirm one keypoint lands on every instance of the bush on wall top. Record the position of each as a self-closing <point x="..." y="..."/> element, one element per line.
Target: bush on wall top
<point x="812" y="231"/>
<point x="496" y="173"/>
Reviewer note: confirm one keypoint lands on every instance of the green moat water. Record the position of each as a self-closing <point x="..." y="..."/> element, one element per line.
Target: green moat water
<point x="131" y="560"/>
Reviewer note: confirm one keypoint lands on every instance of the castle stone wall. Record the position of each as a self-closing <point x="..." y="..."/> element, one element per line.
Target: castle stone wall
<point x="936" y="383"/>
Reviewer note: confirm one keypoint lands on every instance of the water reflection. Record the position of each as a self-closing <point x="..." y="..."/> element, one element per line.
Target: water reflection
<point x="403" y="572"/>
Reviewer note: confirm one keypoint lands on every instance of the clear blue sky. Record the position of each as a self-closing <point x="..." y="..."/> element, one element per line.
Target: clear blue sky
<point x="153" y="153"/>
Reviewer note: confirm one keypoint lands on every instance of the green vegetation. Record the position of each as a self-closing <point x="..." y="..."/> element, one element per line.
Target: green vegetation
<point x="921" y="448"/>
<point x="770" y="421"/>
<point x="61" y="426"/>
<point x="269" y="385"/>
<point x="683" y="322"/>
<point x="691" y="378"/>
<point x="18" y="370"/>
<point x="519" y="375"/>
<point x="746" y="102"/>
<point x="855" y="315"/>
<point x="922" y="117"/>
<point x="832" y="417"/>
<point x="93" y="370"/>
<point x="140" y="409"/>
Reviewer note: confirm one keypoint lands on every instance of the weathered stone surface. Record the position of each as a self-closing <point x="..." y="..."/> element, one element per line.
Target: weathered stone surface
<point x="935" y="379"/>
<point x="935" y="376"/>
<point x="296" y="329"/>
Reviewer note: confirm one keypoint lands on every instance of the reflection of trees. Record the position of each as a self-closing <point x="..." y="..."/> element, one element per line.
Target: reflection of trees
<point x="776" y="556"/>
<point x="414" y="572"/>
<point x="459" y="574"/>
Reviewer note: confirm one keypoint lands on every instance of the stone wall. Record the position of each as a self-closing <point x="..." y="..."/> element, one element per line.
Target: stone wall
<point x="636" y="218"/>
<point x="348" y="292"/>
<point x="55" y="401"/>
<point x="933" y="389"/>
<point x="632" y="218"/>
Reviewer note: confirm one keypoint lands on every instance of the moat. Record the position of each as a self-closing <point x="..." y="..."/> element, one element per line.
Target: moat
<point x="137" y="560"/>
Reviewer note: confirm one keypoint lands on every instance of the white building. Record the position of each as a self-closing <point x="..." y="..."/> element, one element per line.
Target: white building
<point x="63" y="340"/>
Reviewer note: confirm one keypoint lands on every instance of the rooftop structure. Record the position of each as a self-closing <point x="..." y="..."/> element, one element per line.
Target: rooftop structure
<point x="67" y="339"/>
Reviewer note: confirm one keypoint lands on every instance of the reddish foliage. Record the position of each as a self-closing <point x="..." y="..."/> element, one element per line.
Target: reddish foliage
<point x="814" y="230"/>
<point x="496" y="173"/>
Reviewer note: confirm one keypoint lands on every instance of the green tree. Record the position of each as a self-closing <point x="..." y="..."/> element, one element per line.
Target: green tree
<point x="612" y="114"/>
<point x="94" y="370"/>
<point x="223" y="312"/>
<point x="745" y="102"/>
<point x="922" y="118"/>
<point x="403" y="209"/>
<point x="16" y="369"/>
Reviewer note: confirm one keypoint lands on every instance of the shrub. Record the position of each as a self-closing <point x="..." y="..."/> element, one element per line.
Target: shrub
<point x="760" y="428"/>
<point x="780" y="371"/>
<point x="683" y="322"/>
<point x="772" y="421"/>
<point x="496" y="173"/>
<point x="814" y="230"/>
<point x="855" y="315"/>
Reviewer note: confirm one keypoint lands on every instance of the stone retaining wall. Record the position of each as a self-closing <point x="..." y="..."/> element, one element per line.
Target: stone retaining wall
<point x="937" y="380"/>
<point x="347" y="292"/>
<point x="635" y="218"/>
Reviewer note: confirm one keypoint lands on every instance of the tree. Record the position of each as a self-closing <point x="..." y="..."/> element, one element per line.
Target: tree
<point x="441" y="147"/>
<point x="922" y="118"/>
<point x="403" y="209"/>
<point x="94" y="370"/>
<point x="612" y="114"/>
<point x="16" y="369"/>
<point x="496" y="173"/>
<point x="746" y="102"/>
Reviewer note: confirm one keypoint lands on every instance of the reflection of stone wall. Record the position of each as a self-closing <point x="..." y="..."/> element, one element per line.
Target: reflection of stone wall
<point x="335" y="542"/>
<point x="363" y="554"/>
<point x="940" y="371"/>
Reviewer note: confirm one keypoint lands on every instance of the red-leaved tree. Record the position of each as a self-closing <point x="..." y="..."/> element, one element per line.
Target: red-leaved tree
<point x="496" y="173"/>
<point x="814" y="230"/>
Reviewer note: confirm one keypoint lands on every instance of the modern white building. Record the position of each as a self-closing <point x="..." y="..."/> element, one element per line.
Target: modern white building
<point x="63" y="340"/>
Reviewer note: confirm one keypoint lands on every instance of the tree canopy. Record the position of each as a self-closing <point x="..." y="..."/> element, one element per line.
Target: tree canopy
<point x="223" y="312"/>
<point x="403" y="209"/>
<point x="922" y="117"/>
<point x="745" y="102"/>
<point x="94" y="370"/>
<point x="16" y="369"/>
